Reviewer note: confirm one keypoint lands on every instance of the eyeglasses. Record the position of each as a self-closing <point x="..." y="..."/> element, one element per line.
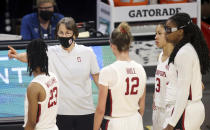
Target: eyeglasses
<point x="172" y="29"/>
<point x="45" y="8"/>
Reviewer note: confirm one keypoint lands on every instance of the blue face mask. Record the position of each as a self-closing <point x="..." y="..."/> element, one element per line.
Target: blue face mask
<point x="66" y="41"/>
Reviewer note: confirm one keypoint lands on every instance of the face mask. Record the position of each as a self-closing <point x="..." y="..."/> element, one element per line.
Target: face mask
<point x="46" y="15"/>
<point x="66" y="41"/>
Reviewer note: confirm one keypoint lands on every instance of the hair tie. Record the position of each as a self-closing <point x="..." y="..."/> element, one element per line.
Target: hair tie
<point x="122" y="30"/>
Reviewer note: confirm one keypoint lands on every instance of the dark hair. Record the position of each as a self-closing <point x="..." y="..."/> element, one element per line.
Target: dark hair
<point x="121" y="37"/>
<point x="37" y="56"/>
<point x="70" y="25"/>
<point x="194" y="36"/>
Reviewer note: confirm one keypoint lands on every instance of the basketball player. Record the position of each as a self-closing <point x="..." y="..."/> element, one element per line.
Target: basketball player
<point x="190" y="58"/>
<point x="122" y="89"/>
<point x="161" y="82"/>
<point x="73" y="65"/>
<point x="41" y="102"/>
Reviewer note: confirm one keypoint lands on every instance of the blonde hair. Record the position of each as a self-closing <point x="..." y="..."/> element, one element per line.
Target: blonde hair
<point x="122" y="37"/>
<point x="38" y="2"/>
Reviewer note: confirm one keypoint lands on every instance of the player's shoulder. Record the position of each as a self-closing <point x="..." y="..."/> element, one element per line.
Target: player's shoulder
<point x="34" y="87"/>
<point x="186" y="49"/>
<point x="137" y="64"/>
<point x="185" y="53"/>
<point x="108" y="69"/>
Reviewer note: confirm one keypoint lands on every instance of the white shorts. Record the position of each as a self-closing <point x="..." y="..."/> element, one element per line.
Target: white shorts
<point x="133" y="122"/>
<point x="158" y="118"/>
<point x="192" y="117"/>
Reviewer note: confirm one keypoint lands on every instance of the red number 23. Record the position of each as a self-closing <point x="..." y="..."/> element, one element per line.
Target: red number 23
<point x="53" y="99"/>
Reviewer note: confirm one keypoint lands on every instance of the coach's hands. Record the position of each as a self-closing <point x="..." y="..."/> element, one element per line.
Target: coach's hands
<point x="12" y="52"/>
<point x="169" y="127"/>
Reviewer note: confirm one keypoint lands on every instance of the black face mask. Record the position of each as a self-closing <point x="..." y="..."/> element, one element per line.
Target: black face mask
<point x="66" y="41"/>
<point x="46" y="15"/>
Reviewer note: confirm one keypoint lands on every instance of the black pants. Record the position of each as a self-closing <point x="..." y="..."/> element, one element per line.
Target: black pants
<point x="75" y="122"/>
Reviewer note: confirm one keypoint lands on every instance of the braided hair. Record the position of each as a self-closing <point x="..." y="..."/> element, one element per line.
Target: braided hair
<point x="37" y="56"/>
<point x="194" y="36"/>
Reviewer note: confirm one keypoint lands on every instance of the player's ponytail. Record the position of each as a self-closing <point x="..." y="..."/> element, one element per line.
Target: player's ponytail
<point x="121" y="37"/>
<point x="194" y="36"/>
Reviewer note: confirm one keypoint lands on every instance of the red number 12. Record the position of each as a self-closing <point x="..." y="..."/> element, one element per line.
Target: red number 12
<point x="136" y="84"/>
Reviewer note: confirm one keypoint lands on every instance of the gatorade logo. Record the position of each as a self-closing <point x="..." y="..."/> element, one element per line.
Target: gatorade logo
<point x="153" y="12"/>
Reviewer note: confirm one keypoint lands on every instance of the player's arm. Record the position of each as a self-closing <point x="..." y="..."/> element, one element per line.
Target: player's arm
<point x="94" y="67"/>
<point x="100" y="109"/>
<point x="142" y="103"/>
<point x="95" y="78"/>
<point x="12" y="53"/>
<point x="33" y="92"/>
<point x="183" y="85"/>
<point x="203" y="87"/>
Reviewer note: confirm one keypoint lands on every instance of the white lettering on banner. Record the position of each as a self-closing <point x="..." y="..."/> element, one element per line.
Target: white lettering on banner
<point x="4" y="58"/>
<point x="19" y="70"/>
<point x="6" y="77"/>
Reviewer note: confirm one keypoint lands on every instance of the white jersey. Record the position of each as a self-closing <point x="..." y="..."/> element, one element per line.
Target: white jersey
<point x="171" y="89"/>
<point x="73" y="72"/>
<point x="160" y="82"/>
<point x="126" y="81"/>
<point x="189" y="82"/>
<point x="47" y="109"/>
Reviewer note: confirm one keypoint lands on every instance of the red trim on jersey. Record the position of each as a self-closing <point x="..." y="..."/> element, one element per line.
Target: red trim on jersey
<point x="190" y="96"/>
<point x="39" y="113"/>
<point x="110" y="102"/>
<point x="183" y="121"/>
<point x="107" y="123"/>
<point x="172" y="111"/>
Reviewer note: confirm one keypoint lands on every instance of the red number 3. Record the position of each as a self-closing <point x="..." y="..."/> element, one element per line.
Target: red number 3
<point x="136" y="84"/>
<point x="53" y="99"/>
<point x="158" y="85"/>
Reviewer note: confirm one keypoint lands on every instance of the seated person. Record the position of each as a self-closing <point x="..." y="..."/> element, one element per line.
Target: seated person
<point x="41" y="24"/>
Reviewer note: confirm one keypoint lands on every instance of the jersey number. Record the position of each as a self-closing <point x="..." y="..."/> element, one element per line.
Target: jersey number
<point x="135" y="81"/>
<point x="53" y="99"/>
<point x="158" y="85"/>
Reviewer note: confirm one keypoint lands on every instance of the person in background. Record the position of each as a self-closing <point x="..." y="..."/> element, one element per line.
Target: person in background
<point x="122" y="87"/>
<point x="41" y="100"/>
<point x="42" y="23"/>
<point x="73" y="65"/>
<point x="161" y="83"/>
<point x="190" y="58"/>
